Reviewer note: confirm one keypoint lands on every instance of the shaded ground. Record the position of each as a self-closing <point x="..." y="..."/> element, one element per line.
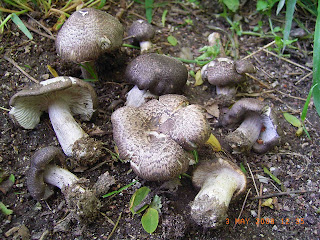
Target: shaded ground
<point x="281" y="83"/>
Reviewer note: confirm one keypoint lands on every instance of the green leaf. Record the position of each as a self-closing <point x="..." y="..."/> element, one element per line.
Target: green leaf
<point x="280" y="6"/>
<point x="290" y="5"/>
<point x="21" y="25"/>
<point x="316" y="63"/>
<point x="243" y="169"/>
<point x="148" y="5"/>
<point x="232" y="5"/>
<point x="120" y="189"/>
<point x="163" y="18"/>
<point x="12" y="178"/>
<point x="137" y="198"/>
<point x="292" y="119"/>
<point x="5" y="210"/>
<point x="150" y="220"/>
<point x="172" y="40"/>
<point x="273" y="177"/>
<point x="305" y="107"/>
<point x="262" y="5"/>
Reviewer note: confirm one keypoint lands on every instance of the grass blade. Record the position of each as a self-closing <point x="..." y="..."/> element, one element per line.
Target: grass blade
<point x="316" y="63"/>
<point x="289" y="16"/>
<point x="21" y="25"/>
<point x="149" y="5"/>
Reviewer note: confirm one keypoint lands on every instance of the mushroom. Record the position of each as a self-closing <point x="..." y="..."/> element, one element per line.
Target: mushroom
<point x="43" y="170"/>
<point x="141" y="32"/>
<point x="258" y="128"/>
<point x="62" y="97"/>
<point x="225" y="74"/>
<point x="156" y="74"/>
<point x="157" y="135"/>
<point x="220" y="180"/>
<point x="87" y="34"/>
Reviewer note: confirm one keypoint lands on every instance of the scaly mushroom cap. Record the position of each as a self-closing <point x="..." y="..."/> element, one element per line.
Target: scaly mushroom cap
<point x="220" y="181"/>
<point x="141" y="30"/>
<point x="87" y="34"/>
<point x="157" y="73"/>
<point x="28" y="105"/>
<point x="154" y="155"/>
<point x="223" y="71"/>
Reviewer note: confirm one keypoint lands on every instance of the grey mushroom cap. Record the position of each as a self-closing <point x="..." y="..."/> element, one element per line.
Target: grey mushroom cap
<point x="29" y="104"/>
<point x="157" y="73"/>
<point x="87" y="34"/>
<point x="155" y="155"/>
<point x="141" y="30"/>
<point x="224" y="71"/>
<point x="220" y="181"/>
<point x="35" y="177"/>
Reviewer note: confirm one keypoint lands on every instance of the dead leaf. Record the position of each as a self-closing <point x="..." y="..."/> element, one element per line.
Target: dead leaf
<point x="267" y="203"/>
<point x="214" y="143"/>
<point x="198" y="78"/>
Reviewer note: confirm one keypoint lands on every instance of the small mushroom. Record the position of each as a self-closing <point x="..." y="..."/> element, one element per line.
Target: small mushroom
<point x="157" y="135"/>
<point x="62" y="97"/>
<point x="225" y="74"/>
<point x="258" y="122"/>
<point x="43" y="171"/>
<point x="156" y="74"/>
<point x="87" y="34"/>
<point x="140" y="33"/>
<point x="220" y="180"/>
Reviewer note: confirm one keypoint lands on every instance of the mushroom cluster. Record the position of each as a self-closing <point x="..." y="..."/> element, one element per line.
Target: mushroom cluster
<point x="157" y="135"/>
<point x="61" y="97"/>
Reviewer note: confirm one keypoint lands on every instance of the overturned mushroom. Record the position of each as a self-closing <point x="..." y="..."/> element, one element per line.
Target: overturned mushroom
<point x="141" y="32"/>
<point x="154" y="74"/>
<point x="87" y="34"/>
<point x="258" y="123"/>
<point x="156" y="136"/>
<point x="43" y="171"/>
<point x="220" y="180"/>
<point x="62" y="97"/>
<point x="225" y="74"/>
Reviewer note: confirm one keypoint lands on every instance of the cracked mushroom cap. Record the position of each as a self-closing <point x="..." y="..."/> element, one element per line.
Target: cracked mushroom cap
<point x="28" y="105"/>
<point x="140" y="30"/>
<point x="157" y="155"/>
<point x="38" y="163"/>
<point x="219" y="181"/>
<point x="224" y="71"/>
<point x="157" y="73"/>
<point x="87" y="34"/>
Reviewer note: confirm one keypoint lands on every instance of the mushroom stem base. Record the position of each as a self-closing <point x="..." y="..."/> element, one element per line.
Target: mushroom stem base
<point x="210" y="206"/>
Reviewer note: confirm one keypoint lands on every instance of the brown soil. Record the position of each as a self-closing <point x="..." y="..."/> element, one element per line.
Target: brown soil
<point x="278" y="82"/>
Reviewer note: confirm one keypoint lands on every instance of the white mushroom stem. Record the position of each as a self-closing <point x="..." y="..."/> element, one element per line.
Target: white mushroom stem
<point x="247" y="133"/>
<point x="145" y="46"/>
<point x="137" y="97"/>
<point x="226" y="90"/>
<point x="68" y="131"/>
<point x="211" y="203"/>
<point x="59" y="177"/>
